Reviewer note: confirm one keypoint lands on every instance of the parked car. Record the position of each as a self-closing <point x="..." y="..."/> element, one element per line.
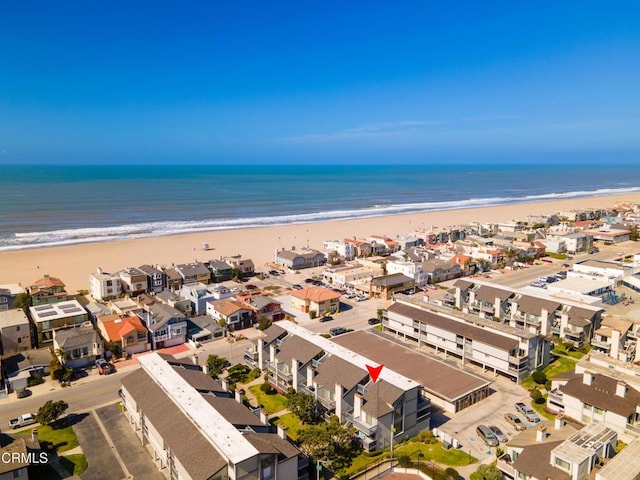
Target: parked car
<point x="23" y="420"/>
<point x="514" y="421"/>
<point x="527" y="412"/>
<point x="487" y="436"/>
<point x="275" y="273"/>
<point x="297" y="287"/>
<point x="308" y="280"/>
<point x="361" y="298"/>
<point x="498" y="433"/>
<point x="373" y="321"/>
<point x="104" y="367"/>
<point x="326" y="318"/>
<point x="250" y="287"/>
<point x="335" y="331"/>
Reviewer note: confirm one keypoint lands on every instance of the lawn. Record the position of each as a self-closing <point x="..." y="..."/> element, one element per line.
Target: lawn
<point x="270" y="403"/>
<point x="541" y="411"/>
<point x="61" y="438"/>
<point x="577" y="354"/>
<point x="292" y="422"/>
<point x="451" y="457"/>
<point x="75" y="464"/>
<point x="560" y="365"/>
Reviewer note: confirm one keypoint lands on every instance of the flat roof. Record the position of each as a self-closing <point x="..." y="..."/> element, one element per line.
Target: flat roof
<point x="581" y="285"/>
<point x="582" y="444"/>
<point x="11" y="318"/>
<point x="625" y="465"/>
<point x="435" y="376"/>
<point x="213" y="426"/>
<point x="332" y="348"/>
<point x="459" y="327"/>
<point x="55" y="311"/>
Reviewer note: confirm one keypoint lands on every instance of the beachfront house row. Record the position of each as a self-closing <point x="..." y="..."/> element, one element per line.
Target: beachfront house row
<point x="221" y="271"/>
<point x="245" y="265"/>
<point x="199" y="294"/>
<point x="46" y="290"/>
<point x="300" y="259"/>
<point x="15" y="332"/>
<point x="134" y="281"/>
<point x="8" y="294"/>
<point x="608" y="235"/>
<point x="318" y="299"/>
<point x="389" y="245"/>
<point x="353" y="275"/>
<point x="386" y="286"/>
<point x="231" y="313"/>
<point x="362" y="248"/>
<point x="596" y="398"/>
<point x="104" y="286"/>
<point x="345" y="249"/>
<point x="56" y="315"/>
<point x="193" y="272"/>
<point x="173" y="279"/>
<point x="127" y="331"/>
<point x="77" y="346"/>
<point x="156" y="278"/>
<point x="394" y="406"/>
<point x="195" y="430"/>
<point x="495" y="347"/>
<point x="167" y="326"/>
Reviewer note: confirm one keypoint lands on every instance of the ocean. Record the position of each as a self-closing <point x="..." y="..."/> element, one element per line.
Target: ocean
<point x="59" y="205"/>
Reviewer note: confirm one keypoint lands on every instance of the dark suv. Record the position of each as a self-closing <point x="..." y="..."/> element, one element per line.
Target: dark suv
<point x="326" y="318"/>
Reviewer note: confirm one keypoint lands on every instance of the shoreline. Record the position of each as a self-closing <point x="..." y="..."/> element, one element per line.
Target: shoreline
<point x="73" y="263"/>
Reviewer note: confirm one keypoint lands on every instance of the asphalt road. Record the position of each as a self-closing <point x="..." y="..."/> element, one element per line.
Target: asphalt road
<point x="82" y="396"/>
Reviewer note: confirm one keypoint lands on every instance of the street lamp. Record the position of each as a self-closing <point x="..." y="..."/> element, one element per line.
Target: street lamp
<point x="319" y="464"/>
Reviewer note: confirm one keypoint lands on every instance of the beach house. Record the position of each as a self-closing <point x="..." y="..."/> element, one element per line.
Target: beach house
<point x="156" y="278"/>
<point x="300" y="259"/>
<point x="220" y="270"/>
<point x="104" y="286"/>
<point x="77" y="346"/>
<point x="47" y="290"/>
<point x="56" y="315"/>
<point x="245" y="265"/>
<point x="234" y="314"/>
<point x="127" y="331"/>
<point x="15" y="332"/>
<point x="167" y="326"/>
<point x="134" y="281"/>
<point x="193" y="272"/>
<point x="8" y="294"/>
<point x="318" y="299"/>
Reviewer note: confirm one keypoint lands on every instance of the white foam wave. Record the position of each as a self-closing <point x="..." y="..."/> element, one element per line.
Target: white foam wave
<point x="140" y="230"/>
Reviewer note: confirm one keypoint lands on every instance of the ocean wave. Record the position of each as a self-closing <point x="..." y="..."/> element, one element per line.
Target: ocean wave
<point x="51" y="238"/>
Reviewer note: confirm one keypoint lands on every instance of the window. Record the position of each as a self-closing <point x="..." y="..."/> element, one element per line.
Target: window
<point x="17" y="328"/>
<point x="85" y="351"/>
<point x="18" y="473"/>
<point x="268" y="469"/>
<point x="563" y="464"/>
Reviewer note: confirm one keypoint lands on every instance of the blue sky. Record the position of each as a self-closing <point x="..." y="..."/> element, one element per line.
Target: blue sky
<point x="320" y="82"/>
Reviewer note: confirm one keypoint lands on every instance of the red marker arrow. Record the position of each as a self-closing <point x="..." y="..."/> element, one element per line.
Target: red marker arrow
<point x="374" y="372"/>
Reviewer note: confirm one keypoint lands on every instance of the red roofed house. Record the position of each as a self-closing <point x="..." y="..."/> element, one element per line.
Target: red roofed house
<point x="129" y="331"/>
<point x="48" y="290"/>
<point x="321" y="300"/>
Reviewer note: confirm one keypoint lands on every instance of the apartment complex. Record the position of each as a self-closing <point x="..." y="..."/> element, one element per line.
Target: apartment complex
<point x="339" y="380"/>
<point x="196" y="430"/>
<point x="504" y="350"/>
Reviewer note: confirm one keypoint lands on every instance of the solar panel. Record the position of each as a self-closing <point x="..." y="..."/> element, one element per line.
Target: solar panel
<point x="42" y="307"/>
<point x="47" y="314"/>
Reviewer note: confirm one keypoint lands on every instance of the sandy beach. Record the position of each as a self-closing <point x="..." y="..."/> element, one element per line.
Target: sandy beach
<point x="74" y="263"/>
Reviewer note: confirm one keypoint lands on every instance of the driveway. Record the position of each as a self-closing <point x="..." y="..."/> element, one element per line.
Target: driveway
<point x="133" y="454"/>
<point x="103" y="464"/>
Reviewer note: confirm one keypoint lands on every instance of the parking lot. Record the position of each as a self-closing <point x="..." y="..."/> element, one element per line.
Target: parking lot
<point x="490" y="411"/>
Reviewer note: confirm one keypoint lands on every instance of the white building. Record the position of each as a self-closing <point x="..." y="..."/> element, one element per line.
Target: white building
<point x="104" y="286"/>
<point x="344" y="249"/>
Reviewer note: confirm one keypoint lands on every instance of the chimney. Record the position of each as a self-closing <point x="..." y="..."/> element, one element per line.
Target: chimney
<point x="310" y="373"/>
<point x="282" y="432"/>
<point x="194" y="358"/>
<point x="621" y="389"/>
<point x="272" y="353"/>
<point x="34" y="435"/>
<point x="224" y="383"/>
<point x="587" y="377"/>
<point x="338" y="398"/>
<point x="261" y="354"/>
<point x="99" y="270"/>
<point x="558" y="423"/>
<point x="294" y="373"/>
<point x="238" y="395"/>
<point x="264" y="417"/>
<point x="46" y="276"/>
<point x="541" y="433"/>
<point x="357" y="405"/>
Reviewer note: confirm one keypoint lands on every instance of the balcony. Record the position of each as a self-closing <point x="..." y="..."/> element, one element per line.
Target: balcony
<point x="506" y="466"/>
<point x="368" y="430"/>
<point x="556" y="397"/>
<point x="603" y="345"/>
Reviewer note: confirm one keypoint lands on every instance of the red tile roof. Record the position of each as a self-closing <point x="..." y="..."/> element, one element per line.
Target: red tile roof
<point x="116" y="326"/>
<point x="316" y="294"/>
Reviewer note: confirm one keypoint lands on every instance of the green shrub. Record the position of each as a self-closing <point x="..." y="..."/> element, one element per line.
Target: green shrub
<point x="404" y="461"/>
<point x="267" y="388"/>
<point x="539" y="377"/>
<point x="541" y="400"/>
<point x="452" y="473"/>
<point x="535" y="394"/>
<point x="312" y="314"/>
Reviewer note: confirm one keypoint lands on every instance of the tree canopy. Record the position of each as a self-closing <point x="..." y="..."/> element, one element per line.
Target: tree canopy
<point x="303" y="405"/>
<point x="216" y="365"/>
<point x="330" y="440"/>
<point x="51" y="411"/>
<point x="487" y="472"/>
